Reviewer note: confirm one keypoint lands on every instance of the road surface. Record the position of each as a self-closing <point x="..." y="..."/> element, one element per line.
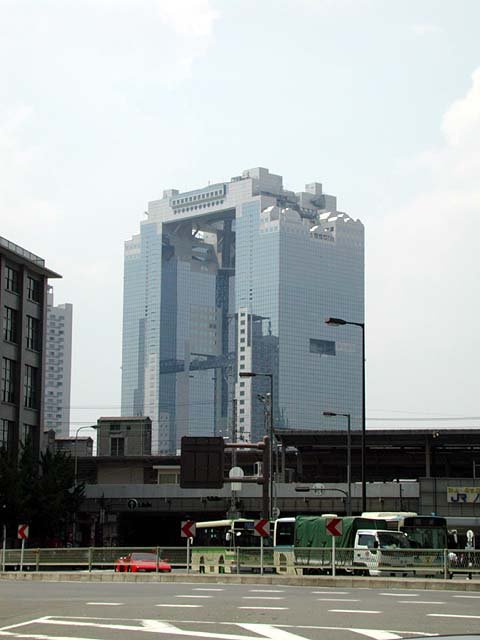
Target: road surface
<point x="139" y="611"/>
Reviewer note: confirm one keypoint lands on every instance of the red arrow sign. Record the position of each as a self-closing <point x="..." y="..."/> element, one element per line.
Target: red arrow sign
<point x="261" y="528"/>
<point x="334" y="526"/>
<point x="22" y="532"/>
<point x="188" y="529"/>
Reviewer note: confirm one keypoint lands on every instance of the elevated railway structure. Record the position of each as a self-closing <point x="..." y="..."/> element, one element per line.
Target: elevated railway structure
<point x="133" y="500"/>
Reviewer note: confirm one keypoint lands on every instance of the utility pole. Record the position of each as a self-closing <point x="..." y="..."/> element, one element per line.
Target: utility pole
<point x="233" y="493"/>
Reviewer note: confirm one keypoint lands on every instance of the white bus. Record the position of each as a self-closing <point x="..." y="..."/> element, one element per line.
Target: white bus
<point x="226" y="546"/>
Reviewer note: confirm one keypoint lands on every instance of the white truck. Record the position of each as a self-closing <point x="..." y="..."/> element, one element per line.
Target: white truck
<point x="302" y="545"/>
<point x="381" y="553"/>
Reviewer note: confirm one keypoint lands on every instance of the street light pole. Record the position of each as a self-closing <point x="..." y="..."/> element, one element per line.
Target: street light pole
<point x="337" y="322"/>
<point x="254" y="374"/>
<point x="75" y="455"/>
<point x="349" y="457"/>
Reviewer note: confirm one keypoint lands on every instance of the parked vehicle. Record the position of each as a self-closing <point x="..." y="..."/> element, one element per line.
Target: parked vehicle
<point x="135" y="562"/>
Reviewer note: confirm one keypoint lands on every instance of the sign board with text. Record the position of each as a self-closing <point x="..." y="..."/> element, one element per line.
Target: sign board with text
<point x="461" y="495"/>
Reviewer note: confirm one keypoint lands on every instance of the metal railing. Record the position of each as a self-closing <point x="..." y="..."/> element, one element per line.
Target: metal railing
<point x="439" y="563"/>
<point x="21" y="251"/>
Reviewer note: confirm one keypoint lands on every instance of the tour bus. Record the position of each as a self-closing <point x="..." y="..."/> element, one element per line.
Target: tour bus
<point x="227" y="546"/>
<point x="283" y="542"/>
<point x="423" y="532"/>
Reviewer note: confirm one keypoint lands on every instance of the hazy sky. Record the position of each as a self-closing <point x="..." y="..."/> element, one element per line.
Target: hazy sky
<point x="105" y="103"/>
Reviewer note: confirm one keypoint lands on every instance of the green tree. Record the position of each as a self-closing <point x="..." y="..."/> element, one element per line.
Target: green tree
<point x="41" y="493"/>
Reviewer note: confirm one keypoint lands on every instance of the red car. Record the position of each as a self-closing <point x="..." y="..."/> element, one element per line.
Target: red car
<point x="141" y="562"/>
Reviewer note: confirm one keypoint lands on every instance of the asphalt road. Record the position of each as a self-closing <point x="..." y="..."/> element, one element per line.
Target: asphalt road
<point x="117" y="611"/>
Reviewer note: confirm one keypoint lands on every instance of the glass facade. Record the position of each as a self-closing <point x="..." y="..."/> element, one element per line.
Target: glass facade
<point x="244" y="285"/>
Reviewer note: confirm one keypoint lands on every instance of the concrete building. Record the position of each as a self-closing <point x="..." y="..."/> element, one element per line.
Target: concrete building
<point x="138" y="500"/>
<point x="58" y="366"/>
<point x="82" y="447"/>
<point x="124" y="436"/>
<point x="239" y="276"/>
<point x="23" y="304"/>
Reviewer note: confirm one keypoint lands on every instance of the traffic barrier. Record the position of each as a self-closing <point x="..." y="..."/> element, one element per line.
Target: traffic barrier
<point x="438" y="563"/>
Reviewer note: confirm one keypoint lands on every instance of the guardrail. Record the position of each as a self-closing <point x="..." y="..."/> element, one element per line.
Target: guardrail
<point x="280" y="560"/>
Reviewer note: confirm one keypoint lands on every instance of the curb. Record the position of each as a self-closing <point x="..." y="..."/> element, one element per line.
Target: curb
<point x="293" y="581"/>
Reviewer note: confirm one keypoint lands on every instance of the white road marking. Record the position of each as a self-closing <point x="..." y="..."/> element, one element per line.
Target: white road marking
<point x="353" y="611"/>
<point x="266" y="590"/>
<point x="150" y="627"/>
<point x="21" y="624"/>
<point x="377" y="634"/>
<point x="207" y="589"/>
<point x="368" y="632"/>
<point x="266" y="608"/>
<point x="466" y="597"/>
<point x="332" y="593"/>
<point x="184" y="606"/>
<point x="158" y="626"/>
<point x="451" y="615"/>
<point x="263" y="598"/>
<point x="337" y="600"/>
<point x="400" y="595"/>
<point x="105" y="604"/>
<point x="419" y="602"/>
<point x="269" y="631"/>
<point x="168" y="627"/>
<point x="193" y="596"/>
<point x="40" y="636"/>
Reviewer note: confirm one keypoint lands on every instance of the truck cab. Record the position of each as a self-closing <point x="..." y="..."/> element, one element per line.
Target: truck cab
<point x="381" y="553"/>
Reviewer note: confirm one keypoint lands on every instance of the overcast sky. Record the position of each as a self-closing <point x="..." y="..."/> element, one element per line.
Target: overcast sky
<point x="105" y="103"/>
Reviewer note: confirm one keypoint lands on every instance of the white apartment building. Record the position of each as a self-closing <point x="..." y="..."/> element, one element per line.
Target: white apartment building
<point x="58" y="366"/>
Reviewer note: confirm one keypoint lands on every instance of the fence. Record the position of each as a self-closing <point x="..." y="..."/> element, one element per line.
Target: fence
<point x="440" y="563"/>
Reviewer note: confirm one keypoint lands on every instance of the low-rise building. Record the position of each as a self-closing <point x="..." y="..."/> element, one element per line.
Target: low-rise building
<point x="124" y="436"/>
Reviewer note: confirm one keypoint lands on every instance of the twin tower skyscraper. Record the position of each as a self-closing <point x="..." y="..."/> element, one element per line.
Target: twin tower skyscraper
<point x="236" y="277"/>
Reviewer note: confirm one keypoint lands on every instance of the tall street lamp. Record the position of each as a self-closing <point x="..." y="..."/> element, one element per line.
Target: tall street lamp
<point x="254" y="374"/>
<point x="337" y="322"/>
<point x="349" y="457"/>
